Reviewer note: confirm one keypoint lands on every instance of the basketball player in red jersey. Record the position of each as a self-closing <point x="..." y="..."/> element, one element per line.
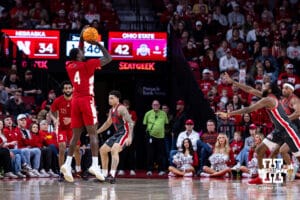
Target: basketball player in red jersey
<point x="61" y="115"/>
<point x="83" y="110"/>
<point x="123" y="124"/>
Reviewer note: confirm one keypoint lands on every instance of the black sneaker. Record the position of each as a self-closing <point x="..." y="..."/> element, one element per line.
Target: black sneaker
<point x="110" y="179"/>
<point x="199" y="172"/>
<point x="85" y="175"/>
<point x="61" y="177"/>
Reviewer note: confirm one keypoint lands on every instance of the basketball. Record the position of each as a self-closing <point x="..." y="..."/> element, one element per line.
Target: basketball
<point x="90" y="34"/>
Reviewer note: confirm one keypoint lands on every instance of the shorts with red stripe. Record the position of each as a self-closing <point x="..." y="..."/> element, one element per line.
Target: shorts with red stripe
<point x="65" y="136"/>
<point x="281" y="136"/>
<point x="118" y="138"/>
<point x="83" y="112"/>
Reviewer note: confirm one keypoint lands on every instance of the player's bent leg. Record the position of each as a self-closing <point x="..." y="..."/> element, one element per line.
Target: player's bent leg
<point x="115" y="150"/>
<point x="104" y="149"/>
<point x="284" y="151"/>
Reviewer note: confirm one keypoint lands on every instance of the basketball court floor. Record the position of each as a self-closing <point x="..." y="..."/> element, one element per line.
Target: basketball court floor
<point x="148" y="189"/>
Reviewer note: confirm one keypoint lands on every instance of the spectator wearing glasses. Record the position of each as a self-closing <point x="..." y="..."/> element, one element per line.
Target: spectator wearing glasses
<point x="155" y="121"/>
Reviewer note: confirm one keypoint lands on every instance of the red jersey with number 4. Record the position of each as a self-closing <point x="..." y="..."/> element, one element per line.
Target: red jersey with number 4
<point x="63" y="107"/>
<point x="81" y="74"/>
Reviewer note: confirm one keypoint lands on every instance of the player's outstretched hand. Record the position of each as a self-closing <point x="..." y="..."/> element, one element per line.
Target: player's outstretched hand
<point x="222" y="115"/>
<point x="227" y="78"/>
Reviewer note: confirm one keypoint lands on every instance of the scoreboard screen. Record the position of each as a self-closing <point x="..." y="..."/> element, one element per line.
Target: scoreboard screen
<point x="36" y="44"/>
<point x="145" y="46"/>
<point x="89" y="49"/>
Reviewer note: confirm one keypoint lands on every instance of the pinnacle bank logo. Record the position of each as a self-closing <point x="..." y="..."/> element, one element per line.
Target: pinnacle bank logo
<point x="273" y="171"/>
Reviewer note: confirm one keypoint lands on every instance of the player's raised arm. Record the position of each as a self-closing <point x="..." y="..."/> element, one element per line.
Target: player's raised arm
<point x="243" y="87"/>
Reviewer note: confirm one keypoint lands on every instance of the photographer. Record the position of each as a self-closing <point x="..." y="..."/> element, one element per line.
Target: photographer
<point x="15" y="105"/>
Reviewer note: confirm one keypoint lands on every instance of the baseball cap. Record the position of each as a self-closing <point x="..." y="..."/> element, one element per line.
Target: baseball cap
<point x="198" y="23"/>
<point x="189" y="122"/>
<point x="180" y="102"/>
<point x="290" y="66"/>
<point x="252" y="126"/>
<point x="21" y="116"/>
<point x="28" y="72"/>
<point x="206" y="71"/>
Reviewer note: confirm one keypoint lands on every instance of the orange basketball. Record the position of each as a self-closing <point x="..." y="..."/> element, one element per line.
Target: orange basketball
<point x="90" y="34"/>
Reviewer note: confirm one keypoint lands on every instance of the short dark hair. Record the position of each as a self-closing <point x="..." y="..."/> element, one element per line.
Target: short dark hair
<point x="73" y="53"/>
<point x="65" y="83"/>
<point x="116" y="93"/>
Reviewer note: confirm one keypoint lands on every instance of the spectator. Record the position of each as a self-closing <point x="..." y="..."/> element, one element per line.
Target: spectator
<point x="265" y="56"/>
<point x="12" y="83"/>
<point x="290" y="77"/>
<point x="221" y="51"/>
<point x="205" y="144"/>
<point x="221" y="159"/>
<point x="198" y="32"/>
<point x="3" y="97"/>
<point x="242" y="157"/>
<point x="13" y="139"/>
<point x="244" y="125"/>
<point x="15" y="105"/>
<point x="168" y="129"/>
<point x="61" y="21"/>
<point x="189" y="133"/>
<point x="220" y="17"/>
<point x="30" y="87"/>
<point x="49" y="148"/>
<point x="184" y="160"/>
<point x="235" y="16"/>
<point x="155" y="121"/>
<point x="24" y="139"/>
<point x="206" y="82"/>
<point x="38" y="13"/>
<point x="5" y="20"/>
<point x="251" y="168"/>
<point x="210" y="62"/>
<point x="228" y="63"/>
<point x="92" y="13"/>
<point x="235" y="39"/>
<point x="47" y="103"/>
<point x="179" y="120"/>
<point x="237" y="144"/>
<point x="109" y="17"/>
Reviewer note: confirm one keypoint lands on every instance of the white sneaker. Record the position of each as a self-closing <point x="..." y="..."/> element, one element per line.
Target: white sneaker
<point x="246" y="175"/>
<point x="189" y="174"/>
<point x="171" y="174"/>
<point x="149" y="173"/>
<point x="52" y="174"/>
<point x="236" y="167"/>
<point x="67" y="172"/>
<point x="44" y="173"/>
<point x="161" y="173"/>
<point x="132" y="173"/>
<point x="203" y="174"/>
<point x="97" y="172"/>
<point x="31" y="174"/>
<point x="121" y="173"/>
<point x="37" y="173"/>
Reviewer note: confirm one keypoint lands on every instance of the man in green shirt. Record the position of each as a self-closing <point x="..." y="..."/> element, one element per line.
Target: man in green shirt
<point x="155" y="121"/>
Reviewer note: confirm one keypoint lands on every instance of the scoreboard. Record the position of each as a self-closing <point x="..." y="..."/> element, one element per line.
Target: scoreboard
<point x="36" y="44"/>
<point x="146" y="46"/>
<point x="89" y="49"/>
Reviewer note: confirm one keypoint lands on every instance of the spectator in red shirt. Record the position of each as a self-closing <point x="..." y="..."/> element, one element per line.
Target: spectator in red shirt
<point x="207" y="81"/>
<point x="25" y="142"/>
<point x="47" y="103"/>
<point x="49" y="148"/>
<point x="61" y="21"/>
<point x="236" y="144"/>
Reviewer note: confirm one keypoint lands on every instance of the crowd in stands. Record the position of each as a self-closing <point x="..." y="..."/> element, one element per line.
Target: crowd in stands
<point x="253" y="41"/>
<point x="60" y="14"/>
